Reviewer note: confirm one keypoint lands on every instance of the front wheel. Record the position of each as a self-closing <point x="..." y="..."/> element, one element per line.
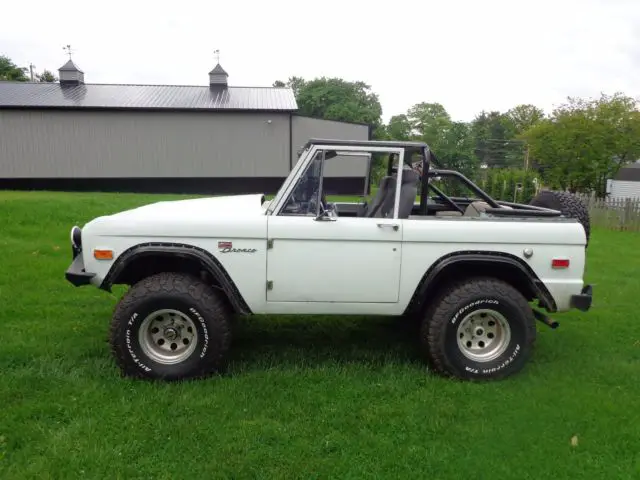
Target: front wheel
<point x="170" y="326"/>
<point x="480" y="329"/>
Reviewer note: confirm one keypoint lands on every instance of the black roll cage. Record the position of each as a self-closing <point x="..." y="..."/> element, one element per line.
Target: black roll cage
<point x="428" y="158"/>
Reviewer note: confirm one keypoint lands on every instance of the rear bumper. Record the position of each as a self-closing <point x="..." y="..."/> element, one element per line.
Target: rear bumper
<point x="76" y="273"/>
<point x="583" y="300"/>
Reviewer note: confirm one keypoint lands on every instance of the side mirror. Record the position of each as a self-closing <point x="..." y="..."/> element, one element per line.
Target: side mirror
<point x="326" y="216"/>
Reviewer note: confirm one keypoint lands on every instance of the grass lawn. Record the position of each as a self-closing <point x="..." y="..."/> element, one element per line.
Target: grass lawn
<point x="305" y="398"/>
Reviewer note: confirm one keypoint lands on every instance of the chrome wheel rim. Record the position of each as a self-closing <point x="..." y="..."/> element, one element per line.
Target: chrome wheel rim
<point x="168" y="336"/>
<point x="483" y="335"/>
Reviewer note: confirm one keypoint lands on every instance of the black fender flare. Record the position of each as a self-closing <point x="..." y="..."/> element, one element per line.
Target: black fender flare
<point x="208" y="262"/>
<point x="430" y="278"/>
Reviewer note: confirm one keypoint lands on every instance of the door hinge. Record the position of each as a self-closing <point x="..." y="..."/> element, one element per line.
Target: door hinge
<point x="269" y="243"/>
<point x="269" y="284"/>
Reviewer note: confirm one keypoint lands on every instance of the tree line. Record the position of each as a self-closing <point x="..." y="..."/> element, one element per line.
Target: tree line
<point x="575" y="147"/>
<point x="10" y="72"/>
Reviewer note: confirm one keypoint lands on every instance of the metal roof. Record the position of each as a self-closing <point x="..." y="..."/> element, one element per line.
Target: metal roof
<point x="163" y="97"/>
<point x="630" y="173"/>
<point x="69" y="67"/>
<point x="218" y="70"/>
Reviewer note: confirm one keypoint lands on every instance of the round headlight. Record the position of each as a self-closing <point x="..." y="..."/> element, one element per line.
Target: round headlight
<point x="76" y="236"/>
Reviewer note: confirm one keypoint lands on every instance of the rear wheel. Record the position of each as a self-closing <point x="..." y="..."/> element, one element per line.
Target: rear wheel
<point x="170" y="326"/>
<point x="567" y="203"/>
<point x="480" y="329"/>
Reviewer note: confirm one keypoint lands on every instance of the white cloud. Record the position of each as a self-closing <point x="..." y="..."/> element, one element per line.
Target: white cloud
<point x="466" y="54"/>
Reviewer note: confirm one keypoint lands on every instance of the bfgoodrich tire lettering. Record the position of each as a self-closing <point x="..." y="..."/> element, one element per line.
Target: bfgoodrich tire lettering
<point x="493" y="300"/>
<point x="194" y="305"/>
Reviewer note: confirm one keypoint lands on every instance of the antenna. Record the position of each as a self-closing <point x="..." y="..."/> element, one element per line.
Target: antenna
<point x="216" y="52"/>
<point x="67" y="48"/>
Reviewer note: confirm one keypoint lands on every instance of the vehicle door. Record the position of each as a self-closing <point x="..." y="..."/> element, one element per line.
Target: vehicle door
<point x="328" y="258"/>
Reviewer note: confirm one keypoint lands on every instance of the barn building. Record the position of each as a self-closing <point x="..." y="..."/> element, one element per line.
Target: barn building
<point x="214" y="138"/>
<point x="626" y="183"/>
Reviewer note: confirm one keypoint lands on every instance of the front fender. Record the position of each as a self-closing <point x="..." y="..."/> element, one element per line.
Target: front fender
<point x="207" y="262"/>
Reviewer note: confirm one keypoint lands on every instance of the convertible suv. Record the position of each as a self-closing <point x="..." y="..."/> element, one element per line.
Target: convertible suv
<point x="475" y="273"/>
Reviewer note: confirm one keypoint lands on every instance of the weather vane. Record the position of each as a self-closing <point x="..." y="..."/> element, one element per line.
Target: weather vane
<point x="217" y="54"/>
<point x="68" y="50"/>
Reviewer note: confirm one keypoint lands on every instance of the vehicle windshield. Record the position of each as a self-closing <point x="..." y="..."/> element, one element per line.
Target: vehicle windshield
<point x="304" y="198"/>
<point x="271" y="206"/>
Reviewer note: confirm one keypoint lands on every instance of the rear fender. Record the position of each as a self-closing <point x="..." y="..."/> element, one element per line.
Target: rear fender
<point x="459" y="265"/>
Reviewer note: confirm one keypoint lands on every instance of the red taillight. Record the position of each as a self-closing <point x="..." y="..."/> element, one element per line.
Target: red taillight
<point x="560" y="263"/>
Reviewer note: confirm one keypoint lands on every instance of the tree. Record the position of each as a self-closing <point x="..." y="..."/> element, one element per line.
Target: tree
<point x="456" y="149"/>
<point x="46" y="77"/>
<point x="294" y="83"/>
<point x="451" y="141"/>
<point x="584" y="142"/>
<point x="524" y="116"/>
<point x="430" y="121"/>
<point x="399" y="128"/>
<point x="494" y="145"/>
<point x="338" y="99"/>
<point x="9" y="71"/>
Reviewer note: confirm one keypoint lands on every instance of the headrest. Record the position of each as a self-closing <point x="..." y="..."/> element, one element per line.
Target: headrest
<point x="410" y="176"/>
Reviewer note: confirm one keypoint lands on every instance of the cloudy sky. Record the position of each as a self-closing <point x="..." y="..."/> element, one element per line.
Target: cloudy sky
<point x="468" y="55"/>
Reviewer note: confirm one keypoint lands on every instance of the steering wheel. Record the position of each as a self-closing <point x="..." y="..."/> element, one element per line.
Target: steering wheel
<point x="325" y="207"/>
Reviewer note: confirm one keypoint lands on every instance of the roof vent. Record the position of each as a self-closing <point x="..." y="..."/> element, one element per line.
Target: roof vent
<point x="218" y="77"/>
<point x="70" y="74"/>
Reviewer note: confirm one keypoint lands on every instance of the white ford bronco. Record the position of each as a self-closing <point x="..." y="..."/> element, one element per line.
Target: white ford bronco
<point x="468" y="268"/>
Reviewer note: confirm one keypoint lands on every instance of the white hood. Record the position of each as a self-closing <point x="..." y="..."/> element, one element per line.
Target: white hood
<point x="177" y="214"/>
<point x="219" y="206"/>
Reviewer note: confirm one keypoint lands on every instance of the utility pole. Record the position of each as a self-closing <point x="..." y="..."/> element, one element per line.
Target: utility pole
<point x="526" y="158"/>
<point x="31" y="67"/>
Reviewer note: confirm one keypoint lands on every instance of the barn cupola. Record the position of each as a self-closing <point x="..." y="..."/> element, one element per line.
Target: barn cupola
<point x="69" y="73"/>
<point x="218" y="77"/>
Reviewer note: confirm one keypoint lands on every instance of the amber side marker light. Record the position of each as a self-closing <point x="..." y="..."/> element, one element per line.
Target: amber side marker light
<point x="103" y="254"/>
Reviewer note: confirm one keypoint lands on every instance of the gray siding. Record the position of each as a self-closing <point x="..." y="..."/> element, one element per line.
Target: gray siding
<point x="99" y="144"/>
<point x="621" y="189"/>
<point x="304" y="128"/>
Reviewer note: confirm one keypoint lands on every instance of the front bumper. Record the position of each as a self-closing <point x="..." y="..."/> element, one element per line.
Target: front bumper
<point x="76" y="273"/>
<point x="583" y="300"/>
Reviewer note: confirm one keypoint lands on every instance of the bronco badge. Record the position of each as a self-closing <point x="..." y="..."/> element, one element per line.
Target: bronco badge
<point x="227" y="247"/>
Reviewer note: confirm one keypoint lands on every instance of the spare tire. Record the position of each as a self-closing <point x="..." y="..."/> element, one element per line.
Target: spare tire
<point x="570" y="206"/>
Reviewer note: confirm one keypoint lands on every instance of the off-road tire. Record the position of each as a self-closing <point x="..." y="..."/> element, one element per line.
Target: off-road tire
<point x="439" y="330"/>
<point x="187" y="295"/>
<point x="567" y="203"/>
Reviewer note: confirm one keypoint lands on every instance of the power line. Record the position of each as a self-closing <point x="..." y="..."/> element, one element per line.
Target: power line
<point x="501" y="140"/>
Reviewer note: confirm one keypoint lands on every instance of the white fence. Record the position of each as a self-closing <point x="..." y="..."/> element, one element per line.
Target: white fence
<point x="614" y="214"/>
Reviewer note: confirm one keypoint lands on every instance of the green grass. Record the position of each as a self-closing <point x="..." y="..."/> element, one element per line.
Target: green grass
<point x="313" y="397"/>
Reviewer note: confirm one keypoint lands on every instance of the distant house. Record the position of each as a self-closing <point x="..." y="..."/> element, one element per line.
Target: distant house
<point x="626" y="183"/>
<point x="211" y="138"/>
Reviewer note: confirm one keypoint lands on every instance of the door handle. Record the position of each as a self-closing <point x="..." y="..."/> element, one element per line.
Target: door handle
<point x="395" y="226"/>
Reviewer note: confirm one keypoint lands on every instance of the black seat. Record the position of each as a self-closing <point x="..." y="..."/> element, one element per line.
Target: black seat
<point x="408" y="193"/>
<point x="385" y="189"/>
